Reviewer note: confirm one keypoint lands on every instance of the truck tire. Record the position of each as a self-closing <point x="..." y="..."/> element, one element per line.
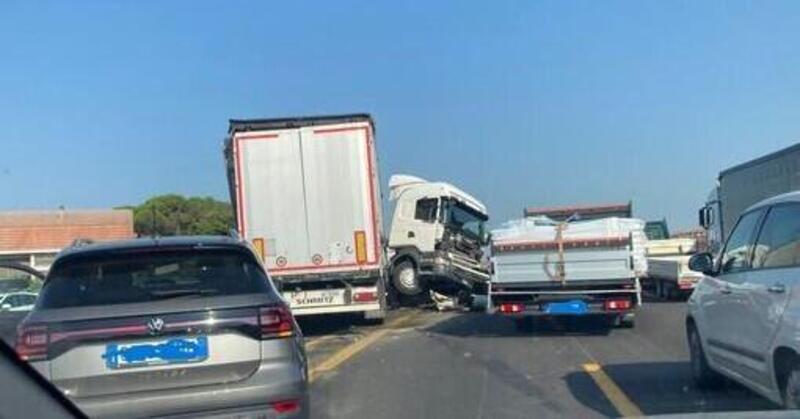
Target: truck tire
<point x="623" y="321"/>
<point x="659" y="285"/>
<point x="702" y="374"/>
<point x="627" y="322"/>
<point x="671" y="292"/>
<point x="405" y="279"/>
<point x="374" y="318"/>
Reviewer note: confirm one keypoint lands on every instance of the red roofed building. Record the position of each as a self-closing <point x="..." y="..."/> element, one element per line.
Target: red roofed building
<point x="34" y="237"/>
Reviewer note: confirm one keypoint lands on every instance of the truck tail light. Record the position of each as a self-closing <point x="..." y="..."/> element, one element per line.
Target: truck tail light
<point x="361" y="246"/>
<point x="258" y="244"/>
<point x="686" y="283"/>
<point x="275" y="322"/>
<point x="32" y="343"/>
<point x="617" y="304"/>
<point x="365" y="296"/>
<point x="510" y="308"/>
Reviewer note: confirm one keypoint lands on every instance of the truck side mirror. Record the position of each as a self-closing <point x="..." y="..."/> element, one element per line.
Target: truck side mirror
<point x="702" y="262"/>
<point x="705" y="217"/>
<point x="486" y="238"/>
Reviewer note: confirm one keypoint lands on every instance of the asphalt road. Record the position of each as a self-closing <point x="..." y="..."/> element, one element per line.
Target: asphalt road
<point x="453" y="365"/>
<point x="456" y="365"/>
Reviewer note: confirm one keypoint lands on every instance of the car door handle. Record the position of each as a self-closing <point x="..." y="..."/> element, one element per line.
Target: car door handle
<point x="725" y="290"/>
<point x="777" y="288"/>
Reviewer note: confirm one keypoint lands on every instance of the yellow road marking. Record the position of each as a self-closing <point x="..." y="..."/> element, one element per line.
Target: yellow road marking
<point x="317" y="341"/>
<point x="349" y="351"/>
<point x="625" y="407"/>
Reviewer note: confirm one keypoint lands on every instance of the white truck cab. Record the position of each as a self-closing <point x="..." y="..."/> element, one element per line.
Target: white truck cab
<point x="437" y="238"/>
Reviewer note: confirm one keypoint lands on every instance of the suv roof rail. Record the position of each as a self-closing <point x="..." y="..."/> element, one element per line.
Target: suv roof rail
<point x="81" y="241"/>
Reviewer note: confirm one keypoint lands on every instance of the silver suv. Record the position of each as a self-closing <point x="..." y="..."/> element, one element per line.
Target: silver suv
<point x="744" y="316"/>
<point x="167" y="327"/>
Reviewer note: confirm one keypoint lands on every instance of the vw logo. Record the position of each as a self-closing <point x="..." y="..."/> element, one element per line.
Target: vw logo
<point x="155" y="325"/>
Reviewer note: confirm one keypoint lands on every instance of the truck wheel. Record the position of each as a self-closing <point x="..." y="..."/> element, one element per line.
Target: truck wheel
<point x="405" y="279"/>
<point x="624" y="321"/>
<point x="374" y="318"/>
<point x="627" y="321"/>
<point x="672" y="292"/>
<point x="702" y="374"/>
<point x="660" y="289"/>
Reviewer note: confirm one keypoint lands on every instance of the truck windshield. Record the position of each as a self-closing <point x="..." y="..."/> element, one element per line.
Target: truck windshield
<point x="465" y="219"/>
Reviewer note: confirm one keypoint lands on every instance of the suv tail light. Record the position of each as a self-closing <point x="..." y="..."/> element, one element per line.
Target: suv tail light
<point x="286" y="406"/>
<point x="32" y="343"/>
<point x="275" y="322"/>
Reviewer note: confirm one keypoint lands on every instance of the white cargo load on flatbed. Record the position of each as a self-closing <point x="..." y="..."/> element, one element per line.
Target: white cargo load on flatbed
<point x="527" y="250"/>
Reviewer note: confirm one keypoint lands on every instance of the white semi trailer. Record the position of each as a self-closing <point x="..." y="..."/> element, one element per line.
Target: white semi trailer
<point x="743" y="185"/>
<point x="306" y="193"/>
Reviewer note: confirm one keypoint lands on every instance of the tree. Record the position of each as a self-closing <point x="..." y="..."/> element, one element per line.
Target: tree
<point x="172" y="214"/>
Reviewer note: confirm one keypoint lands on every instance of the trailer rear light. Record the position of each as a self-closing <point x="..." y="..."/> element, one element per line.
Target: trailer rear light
<point x="32" y="343"/>
<point x="286" y="406"/>
<point x="365" y="296"/>
<point x="686" y="283"/>
<point x="275" y="322"/>
<point x="258" y="244"/>
<point x="617" y="304"/>
<point x="508" y="308"/>
<point x="361" y="246"/>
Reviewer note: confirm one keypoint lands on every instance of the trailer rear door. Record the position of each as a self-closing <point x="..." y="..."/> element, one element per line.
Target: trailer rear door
<point x="310" y="195"/>
<point x="340" y="190"/>
<point x="270" y="203"/>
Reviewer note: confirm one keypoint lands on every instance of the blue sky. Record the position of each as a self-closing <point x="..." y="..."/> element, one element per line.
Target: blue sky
<point x="534" y="102"/>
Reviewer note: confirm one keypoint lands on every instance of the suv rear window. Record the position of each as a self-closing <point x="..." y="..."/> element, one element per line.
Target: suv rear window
<point x="142" y="276"/>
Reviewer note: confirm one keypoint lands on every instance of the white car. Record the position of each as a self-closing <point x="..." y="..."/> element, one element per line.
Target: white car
<point x="17" y="301"/>
<point x="743" y="321"/>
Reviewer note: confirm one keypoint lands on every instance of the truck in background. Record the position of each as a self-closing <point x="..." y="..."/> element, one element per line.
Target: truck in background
<point x="568" y="268"/>
<point x="668" y="272"/>
<point x="656" y="230"/>
<point x="437" y="239"/>
<point x="306" y="193"/>
<point x="743" y="185"/>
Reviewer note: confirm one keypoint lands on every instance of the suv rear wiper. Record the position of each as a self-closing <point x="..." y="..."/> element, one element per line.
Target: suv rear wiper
<point x="167" y="294"/>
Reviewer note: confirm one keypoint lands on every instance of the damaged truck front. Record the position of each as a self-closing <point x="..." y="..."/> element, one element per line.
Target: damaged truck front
<point x="437" y="239"/>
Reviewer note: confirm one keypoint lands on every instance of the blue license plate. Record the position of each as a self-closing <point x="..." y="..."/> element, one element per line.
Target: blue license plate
<point x="567" y="307"/>
<point x="178" y="350"/>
